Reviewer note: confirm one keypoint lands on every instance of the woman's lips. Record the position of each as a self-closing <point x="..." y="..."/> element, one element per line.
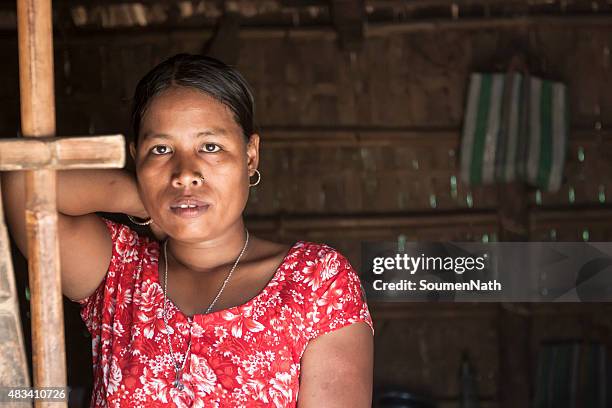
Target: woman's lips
<point x="190" y="212"/>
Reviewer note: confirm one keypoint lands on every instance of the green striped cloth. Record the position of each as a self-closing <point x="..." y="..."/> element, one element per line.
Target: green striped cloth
<point x="515" y="128"/>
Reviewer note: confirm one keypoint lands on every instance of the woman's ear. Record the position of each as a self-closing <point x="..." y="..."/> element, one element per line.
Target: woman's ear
<point x="252" y="151"/>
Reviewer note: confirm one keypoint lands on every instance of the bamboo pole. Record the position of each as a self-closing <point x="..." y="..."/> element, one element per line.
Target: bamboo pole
<point x="35" y="35"/>
<point x="62" y="153"/>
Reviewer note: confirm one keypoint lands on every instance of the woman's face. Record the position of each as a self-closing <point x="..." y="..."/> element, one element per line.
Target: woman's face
<point x="185" y="134"/>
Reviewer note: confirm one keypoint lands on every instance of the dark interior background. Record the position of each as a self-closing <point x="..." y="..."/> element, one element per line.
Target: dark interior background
<point x="360" y="105"/>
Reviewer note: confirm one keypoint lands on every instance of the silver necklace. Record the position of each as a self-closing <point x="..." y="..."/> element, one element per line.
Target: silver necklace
<point x="178" y="368"/>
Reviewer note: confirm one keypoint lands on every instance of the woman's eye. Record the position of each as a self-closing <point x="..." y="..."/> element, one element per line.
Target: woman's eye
<point x="208" y="145"/>
<point x="164" y="149"/>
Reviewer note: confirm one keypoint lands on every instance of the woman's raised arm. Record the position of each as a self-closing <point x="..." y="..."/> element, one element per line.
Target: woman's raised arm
<point x="85" y="242"/>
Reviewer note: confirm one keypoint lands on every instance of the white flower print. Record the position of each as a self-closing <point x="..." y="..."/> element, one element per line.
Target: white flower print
<point x="196" y="330"/>
<point x="281" y="393"/>
<point x="257" y="388"/>
<point x="312" y="277"/>
<point x="332" y="298"/>
<point x="203" y="377"/>
<point x="162" y="390"/>
<point x="149" y="314"/>
<point x="124" y="297"/>
<point x="239" y="322"/>
<point x="331" y="266"/>
<point x="220" y="332"/>
<point x="118" y="328"/>
<point x="115" y="376"/>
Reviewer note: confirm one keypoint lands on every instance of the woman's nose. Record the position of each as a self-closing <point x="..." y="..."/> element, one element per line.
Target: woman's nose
<point x="187" y="179"/>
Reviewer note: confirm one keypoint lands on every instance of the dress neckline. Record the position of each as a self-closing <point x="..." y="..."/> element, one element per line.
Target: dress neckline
<point x="277" y="274"/>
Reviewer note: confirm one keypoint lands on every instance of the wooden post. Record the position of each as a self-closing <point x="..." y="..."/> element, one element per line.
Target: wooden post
<point x="35" y="33"/>
<point x="40" y="157"/>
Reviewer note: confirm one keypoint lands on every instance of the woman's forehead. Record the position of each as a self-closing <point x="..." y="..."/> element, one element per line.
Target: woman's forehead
<point x="192" y="110"/>
<point x="186" y="99"/>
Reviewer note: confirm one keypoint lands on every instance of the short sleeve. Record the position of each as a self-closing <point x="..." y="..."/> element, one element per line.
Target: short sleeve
<point x="338" y="296"/>
<point x="93" y="305"/>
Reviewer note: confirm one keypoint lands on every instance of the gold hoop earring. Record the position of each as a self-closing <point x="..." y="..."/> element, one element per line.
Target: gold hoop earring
<point x="258" y="179"/>
<point x="149" y="221"/>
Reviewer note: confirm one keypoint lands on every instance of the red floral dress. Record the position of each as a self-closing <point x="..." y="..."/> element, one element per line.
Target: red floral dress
<point x="245" y="356"/>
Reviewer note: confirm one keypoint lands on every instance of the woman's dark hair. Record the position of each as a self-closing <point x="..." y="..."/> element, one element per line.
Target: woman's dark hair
<point x="206" y="74"/>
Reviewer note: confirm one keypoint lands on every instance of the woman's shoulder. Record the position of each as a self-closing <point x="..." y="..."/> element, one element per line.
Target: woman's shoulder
<point x="127" y="247"/>
<point x="128" y="243"/>
<point x="314" y="250"/>
<point x="310" y="252"/>
<point x="315" y="264"/>
<point x="330" y="287"/>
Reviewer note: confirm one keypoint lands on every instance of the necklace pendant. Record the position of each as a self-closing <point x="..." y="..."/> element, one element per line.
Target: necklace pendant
<point x="178" y="384"/>
<point x="177" y="380"/>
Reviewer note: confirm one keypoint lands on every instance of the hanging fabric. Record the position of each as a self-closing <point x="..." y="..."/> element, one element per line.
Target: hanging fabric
<point x="515" y="128"/>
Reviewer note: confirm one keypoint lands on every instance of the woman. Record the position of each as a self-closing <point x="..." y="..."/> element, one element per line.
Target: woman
<point x="208" y="315"/>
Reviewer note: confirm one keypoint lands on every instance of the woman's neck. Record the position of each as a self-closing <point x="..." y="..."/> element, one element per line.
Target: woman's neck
<point x="208" y="255"/>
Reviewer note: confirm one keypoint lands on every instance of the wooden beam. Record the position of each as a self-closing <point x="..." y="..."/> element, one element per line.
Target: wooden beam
<point x="136" y="35"/>
<point x="346" y="137"/>
<point x="296" y="137"/>
<point x="554" y="22"/>
<point x="361" y="224"/>
<point x="578" y="216"/>
<point x="171" y="35"/>
<point x="62" y="153"/>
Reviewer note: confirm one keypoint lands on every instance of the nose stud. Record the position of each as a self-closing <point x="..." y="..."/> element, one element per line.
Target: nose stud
<point x="178" y="180"/>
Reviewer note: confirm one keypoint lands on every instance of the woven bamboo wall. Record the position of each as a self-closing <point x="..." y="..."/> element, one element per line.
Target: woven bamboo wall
<point x="364" y="145"/>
